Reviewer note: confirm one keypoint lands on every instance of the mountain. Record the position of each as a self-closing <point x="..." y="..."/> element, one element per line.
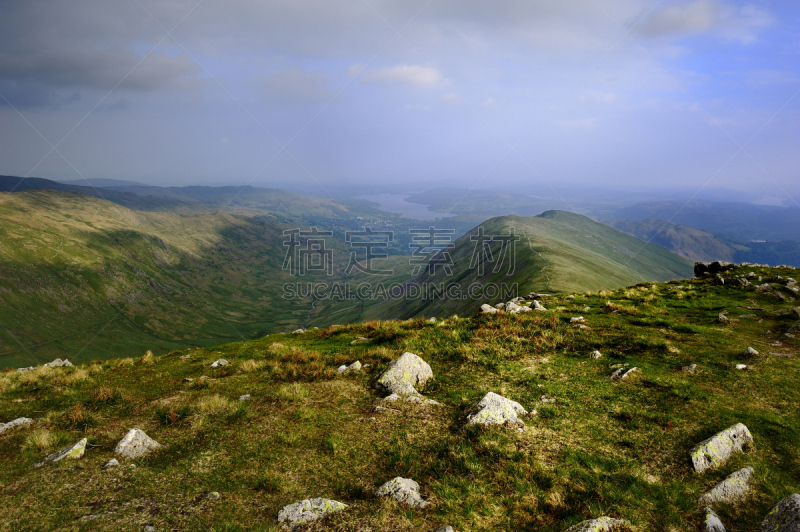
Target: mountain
<point x="102" y="182"/>
<point x="686" y="241"/>
<point x="558" y="251"/>
<point x="279" y="424"/>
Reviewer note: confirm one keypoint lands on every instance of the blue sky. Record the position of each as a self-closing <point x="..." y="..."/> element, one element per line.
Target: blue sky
<point x="612" y="93"/>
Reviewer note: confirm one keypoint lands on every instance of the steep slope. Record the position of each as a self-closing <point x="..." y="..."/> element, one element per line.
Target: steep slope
<point x="558" y="251"/>
<point x="686" y="241"/>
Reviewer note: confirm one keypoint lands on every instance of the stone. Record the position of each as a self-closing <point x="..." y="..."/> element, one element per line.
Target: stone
<point x="188" y="379"/>
<point x="447" y="528"/>
<point x="403" y="490"/>
<point x="722" y="318"/>
<point x="579" y="319"/>
<point x="185" y="357"/>
<point x="537" y="305"/>
<point x="546" y="400"/>
<point x="111" y="463"/>
<point x="713" y="522"/>
<point x="432" y="320"/>
<point x="19" y="422"/>
<point x="495" y="409"/>
<point x="414" y="398"/>
<point x="355" y="366"/>
<point x="513" y="308"/>
<point x="307" y="511"/>
<point x="601" y="524"/>
<point x="488" y="309"/>
<point x="219" y="363"/>
<point x="689" y="369"/>
<point x="700" y="268"/>
<point x="135" y="444"/>
<point x="795" y="314"/>
<point x="359" y="340"/>
<point x="742" y="366"/>
<point x="149" y="528"/>
<point x="213" y="495"/>
<point x="595" y="355"/>
<point x="734" y="488"/>
<point x="716" y="450"/>
<point x="244" y="397"/>
<point x="58" y="363"/>
<point x="750" y="352"/>
<point x="404" y="375"/>
<point x="298" y="331"/>
<point x="719" y="280"/>
<point x="622" y="373"/>
<point x="70" y="451"/>
<point x="785" y="517"/>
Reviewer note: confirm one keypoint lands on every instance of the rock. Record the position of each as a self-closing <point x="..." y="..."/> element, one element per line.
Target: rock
<point x="742" y="366"/>
<point x="785" y="517"/>
<point x="185" y="357"/>
<point x="188" y="379"/>
<point x="135" y="444"/>
<point x="244" y="397"/>
<point x="622" y="373"/>
<point x="111" y="463"/>
<point x="750" y="352"/>
<point x="19" y="422"/>
<point x="500" y="306"/>
<point x="495" y="409"/>
<point x="689" y="369"/>
<point x="58" y="363"/>
<point x="719" y="280"/>
<point x="418" y="399"/>
<point x="359" y="340"/>
<point x="70" y="451"/>
<point x="546" y="400"/>
<point x="595" y="355"/>
<point x="298" y="331"/>
<point x="447" y="528"/>
<point x="403" y="490"/>
<point x="734" y="488"/>
<point x="719" y="266"/>
<point x="795" y="314"/>
<point x="149" y="528"/>
<point x="578" y="319"/>
<point x="722" y="318"/>
<point x="763" y="288"/>
<point x="404" y="375"/>
<point x="601" y="524"/>
<point x="213" y="495"/>
<point x="716" y="450"/>
<point x="513" y="308"/>
<point x="307" y="511"/>
<point x="355" y="366"/>
<point x="432" y="320"/>
<point x="712" y="522"/>
<point x="700" y="268"/>
<point x="219" y="363"/>
<point x="537" y="305"/>
<point x="488" y="309"/>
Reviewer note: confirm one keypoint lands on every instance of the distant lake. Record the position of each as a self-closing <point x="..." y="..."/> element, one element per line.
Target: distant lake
<point x="397" y="203"/>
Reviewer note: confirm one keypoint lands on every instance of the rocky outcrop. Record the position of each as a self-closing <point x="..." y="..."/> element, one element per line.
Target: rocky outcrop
<point x="19" y="422"/>
<point x="404" y="375"/>
<point x="135" y="444"/>
<point x="70" y="451"/>
<point x="785" y="517"/>
<point x="601" y="524"/>
<point x="219" y="363"/>
<point x="488" y="309"/>
<point x="712" y="522"/>
<point x="716" y="450"/>
<point x="403" y="490"/>
<point x="733" y="489"/>
<point x="495" y="409"/>
<point x="622" y="373"/>
<point x="306" y="511"/>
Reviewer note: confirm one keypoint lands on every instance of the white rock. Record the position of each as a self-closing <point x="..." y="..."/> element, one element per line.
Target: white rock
<point x="712" y="522"/>
<point x="111" y="463"/>
<point x="622" y="373"/>
<point x="135" y="444"/>
<point x="447" y="528"/>
<point x="404" y="375"/>
<point x="690" y="368"/>
<point x="70" y="451"/>
<point x="578" y="319"/>
<point x="219" y="363"/>
<point x="734" y="488"/>
<point x="403" y="490"/>
<point x="751" y="352"/>
<point x="716" y="450"/>
<point x="185" y="357"/>
<point x="785" y="517"/>
<point x="537" y="305"/>
<point x="307" y="511"/>
<point x="58" y="363"/>
<point x="601" y="524"/>
<point x="244" y="397"/>
<point x="741" y="366"/>
<point x="19" y="422"/>
<point x="298" y="331"/>
<point x="495" y="409"/>
<point x="355" y="366"/>
<point x="213" y="495"/>
<point x="488" y="309"/>
<point x="595" y="354"/>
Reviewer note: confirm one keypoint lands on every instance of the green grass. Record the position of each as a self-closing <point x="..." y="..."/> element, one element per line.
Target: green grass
<point x="602" y="448"/>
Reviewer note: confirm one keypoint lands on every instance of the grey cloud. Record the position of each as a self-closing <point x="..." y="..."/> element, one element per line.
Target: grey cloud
<point x="298" y="86"/>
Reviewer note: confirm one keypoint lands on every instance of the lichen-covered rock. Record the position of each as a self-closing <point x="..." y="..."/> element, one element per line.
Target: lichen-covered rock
<point x="447" y="528"/>
<point x="622" y="373"/>
<point x="712" y="522"/>
<point x="344" y="368"/>
<point x="135" y="444"/>
<point x="734" y="488"/>
<point x="307" y="511"/>
<point x="111" y="463"/>
<point x="716" y="450"/>
<point x="19" y="422"/>
<point x="578" y="320"/>
<point x="785" y="517"/>
<point x="595" y="354"/>
<point x="219" y="363"/>
<point x="403" y="490"/>
<point x="495" y="409"/>
<point x="601" y="524"/>
<point x="404" y="375"/>
<point x="70" y="451"/>
<point x="488" y="309"/>
<point x="722" y="318"/>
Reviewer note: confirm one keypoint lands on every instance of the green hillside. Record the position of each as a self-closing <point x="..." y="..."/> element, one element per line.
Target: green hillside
<point x="686" y="241"/>
<point x="558" y="251"/>
<point x="590" y="446"/>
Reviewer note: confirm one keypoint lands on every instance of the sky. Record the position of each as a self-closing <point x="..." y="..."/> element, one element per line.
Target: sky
<point x="541" y="93"/>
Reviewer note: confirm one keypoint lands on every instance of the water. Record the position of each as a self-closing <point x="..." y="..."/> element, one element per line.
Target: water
<point x="396" y="203"/>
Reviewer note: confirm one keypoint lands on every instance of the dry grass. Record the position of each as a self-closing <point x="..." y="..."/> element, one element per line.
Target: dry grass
<point x="124" y="362"/>
<point x="147" y="358"/>
<point x="249" y="366"/>
<point x="41" y="440"/>
<point x="292" y="392"/>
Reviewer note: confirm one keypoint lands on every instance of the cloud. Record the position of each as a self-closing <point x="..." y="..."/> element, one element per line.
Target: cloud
<point x="298" y="86"/>
<point x="414" y="75"/>
<point x="729" y="22"/>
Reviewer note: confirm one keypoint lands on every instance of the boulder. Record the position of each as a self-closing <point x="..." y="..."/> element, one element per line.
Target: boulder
<point x="19" y="422"/>
<point x="601" y="524"/>
<point x="135" y="444"/>
<point x="111" y="463"/>
<point x="307" y="511"/>
<point x="795" y="314"/>
<point x="298" y="331"/>
<point x="700" y="268"/>
<point x="578" y="319"/>
<point x="244" y="397"/>
<point x="404" y="375"/>
<point x="70" y="451"/>
<point x="720" y="266"/>
<point x="622" y="373"/>
<point x="513" y="308"/>
<point x="447" y="528"/>
<point x="722" y="318"/>
<point x="719" y="280"/>
<point x="716" y="450"/>
<point x="595" y="354"/>
<point x="689" y="369"/>
<point x="403" y="490"/>
<point x="58" y="363"/>
<point x="713" y="522"/>
<point x="495" y="409"/>
<point x="213" y="495"/>
<point x="355" y="366"/>
<point x="414" y="398"/>
<point x="185" y="357"/>
<point x="785" y="517"/>
<point x="750" y="352"/>
<point x="734" y="488"/>
<point x="537" y="305"/>
<point x="219" y="363"/>
<point x="488" y="309"/>
<point x="742" y="366"/>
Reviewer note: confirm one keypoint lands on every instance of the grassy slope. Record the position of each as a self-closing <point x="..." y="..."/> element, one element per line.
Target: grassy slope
<point x="559" y="251"/>
<point x="681" y="239"/>
<point x="602" y="448"/>
<point x="86" y="278"/>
